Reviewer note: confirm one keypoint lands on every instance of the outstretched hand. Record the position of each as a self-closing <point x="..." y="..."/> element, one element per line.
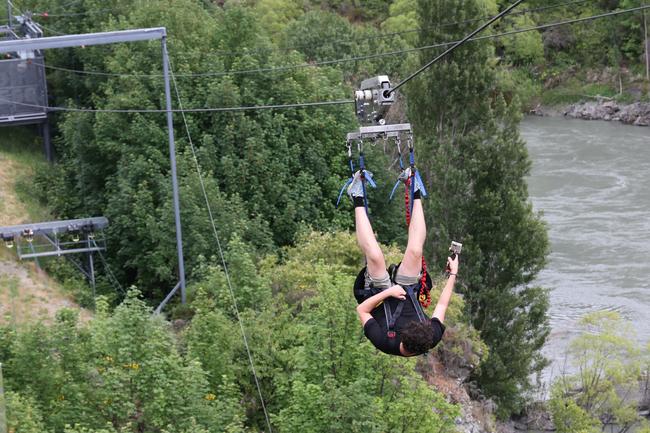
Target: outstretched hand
<point x="397" y="291"/>
<point x="452" y="264"/>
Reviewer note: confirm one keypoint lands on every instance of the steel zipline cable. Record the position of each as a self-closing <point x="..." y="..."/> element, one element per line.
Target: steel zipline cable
<point x="358" y="58"/>
<point x="308" y="104"/>
<point x="185" y="110"/>
<point x="72" y="14"/>
<point x="456" y="45"/>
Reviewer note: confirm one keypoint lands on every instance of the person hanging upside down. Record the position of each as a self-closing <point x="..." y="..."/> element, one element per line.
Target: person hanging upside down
<point x="402" y="330"/>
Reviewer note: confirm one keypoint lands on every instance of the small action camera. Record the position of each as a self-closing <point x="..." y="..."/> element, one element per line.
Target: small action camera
<point x="455" y="248"/>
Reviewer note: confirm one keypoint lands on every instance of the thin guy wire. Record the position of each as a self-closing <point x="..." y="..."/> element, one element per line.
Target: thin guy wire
<point x="188" y="110"/>
<point x="223" y="260"/>
<point x="367" y="57"/>
<point x="13" y="5"/>
<point x="72" y="14"/>
<point x="109" y="272"/>
<point x="40" y="25"/>
<point x="334" y="42"/>
<point x="458" y="44"/>
<point x="56" y="32"/>
<point x="385" y="35"/>
<point x="309" y="104"/>
<point x="70" y="3"/>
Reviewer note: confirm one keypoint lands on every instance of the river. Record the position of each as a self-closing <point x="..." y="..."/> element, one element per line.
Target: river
<point x="591" y="180"/>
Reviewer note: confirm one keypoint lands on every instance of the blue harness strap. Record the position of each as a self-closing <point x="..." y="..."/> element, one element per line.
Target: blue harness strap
<point x="349" y="181"/>
<point x="362" y="169"/>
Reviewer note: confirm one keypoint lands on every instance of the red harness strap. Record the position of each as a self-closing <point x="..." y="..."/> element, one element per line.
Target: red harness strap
<point x="425" y="292"/>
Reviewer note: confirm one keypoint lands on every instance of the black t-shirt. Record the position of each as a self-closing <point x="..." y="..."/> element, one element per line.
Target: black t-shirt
<point x="376" y="329"/>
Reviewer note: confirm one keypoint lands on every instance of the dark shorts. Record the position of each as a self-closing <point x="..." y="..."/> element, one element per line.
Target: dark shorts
<point x="363" y="292"/>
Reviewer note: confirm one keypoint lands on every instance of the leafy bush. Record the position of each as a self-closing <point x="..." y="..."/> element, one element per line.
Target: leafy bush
<point x="128" y="371"/>
<point x="522" y="84"/>
<point x="524" y="48"/>
<point x="608" y="363"/>
<point x="23" y="416"/>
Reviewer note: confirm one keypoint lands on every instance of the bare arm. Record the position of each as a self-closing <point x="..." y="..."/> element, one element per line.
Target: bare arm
<point x="365" y="308"/>
<point x="445" y="296"/>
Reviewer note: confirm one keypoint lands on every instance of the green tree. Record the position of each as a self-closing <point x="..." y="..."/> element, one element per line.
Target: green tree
<point x="523" y="48"/>
<point x="276" y="14"/>
<point x="645" y="378"/>
<point x="127" y="371"/>
<point x="266" y="172"/>
<point x="321" y="35"/>
<point x="608" y="365"/>
<point x="355" y="10"/>
<point x="475" y="163"/>
<point x="403" y="17"/>
<point x="23" y="416"/>
<point x="422" y="409"/>
<point x="328" y="406"/>
<point x="633" y="29"/>
<point x="568" y="417"/>
<point x="122" y="370"/>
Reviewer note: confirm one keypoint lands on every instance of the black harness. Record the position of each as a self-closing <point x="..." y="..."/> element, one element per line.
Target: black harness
<point x="362" y="293"/>
<point x="392" y="316"/>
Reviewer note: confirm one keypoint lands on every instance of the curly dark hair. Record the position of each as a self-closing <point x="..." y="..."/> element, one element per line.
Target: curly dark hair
<point x="417" y="337"/>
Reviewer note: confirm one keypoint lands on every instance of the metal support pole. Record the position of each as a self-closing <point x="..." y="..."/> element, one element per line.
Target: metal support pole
<point x="3" y="406"/>
<point x="9" y="17"/>
<point x="647" y="46"/>
<point x="172" y="158"/>
<point x="47" y="141"/>
<point x="103" y="38"/>
<point x="91" y="268"/>
<point x="31" y="247"/>
<point x="167" y="298"/>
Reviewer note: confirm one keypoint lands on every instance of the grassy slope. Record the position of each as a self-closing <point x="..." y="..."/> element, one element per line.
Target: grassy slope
<point x="26" y="292"/>
<point x="588" y="84"/>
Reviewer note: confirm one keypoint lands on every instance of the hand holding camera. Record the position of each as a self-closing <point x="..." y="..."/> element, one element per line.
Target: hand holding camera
<point x="452" y="260"/>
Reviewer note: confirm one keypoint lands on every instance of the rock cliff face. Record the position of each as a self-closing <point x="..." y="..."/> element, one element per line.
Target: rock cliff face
<point x="634" y="114"/>
<point x="476" y="415"/>
<point x="637" y="114"/>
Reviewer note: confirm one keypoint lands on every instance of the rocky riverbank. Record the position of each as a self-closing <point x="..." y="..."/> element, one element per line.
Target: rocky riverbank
<point x="637" y="114"/>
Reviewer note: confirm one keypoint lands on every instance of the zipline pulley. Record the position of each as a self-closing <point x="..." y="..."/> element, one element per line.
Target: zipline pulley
<point x="373" y="100"/>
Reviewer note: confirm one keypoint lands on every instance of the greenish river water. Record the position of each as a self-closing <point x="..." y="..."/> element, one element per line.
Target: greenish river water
<point x="592" y="182"/>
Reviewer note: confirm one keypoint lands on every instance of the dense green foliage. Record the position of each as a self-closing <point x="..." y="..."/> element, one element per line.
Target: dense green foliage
<point x="608" y="365"/>
<point x="603" y="57"/>
<point x="129" y="371"/>
<point x="272" y="170"/>
<point x="270" y="174"/>
<point x="476" y="163"/>
<point x="266" y="168"/>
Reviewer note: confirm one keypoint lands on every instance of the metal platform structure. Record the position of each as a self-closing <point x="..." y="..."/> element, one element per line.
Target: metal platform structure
<point x="104" y="38"/>
<point x="23" y="87"/>
<point x="380" y="131"/>
<point x="59" y="239"/>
